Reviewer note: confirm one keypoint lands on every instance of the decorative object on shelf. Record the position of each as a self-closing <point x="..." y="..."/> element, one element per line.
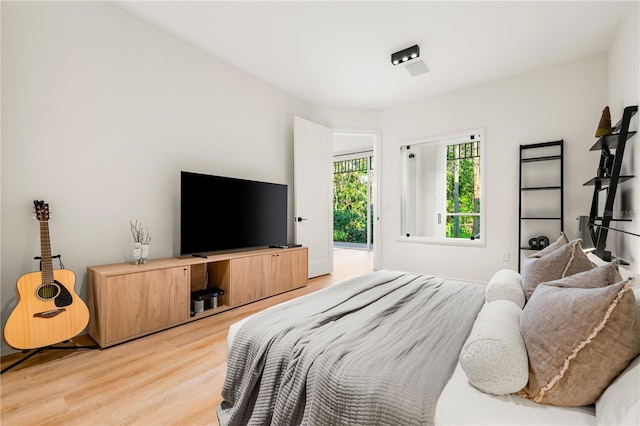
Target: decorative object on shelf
<point x="137" y="253"/>
<point x="543" y="242"/>
<point x="607" y="164"/>
<point x="604" y="126"/>
<point x="538" y="243"/>
<point x="141" y="240"/>
<point x="144" y="253"/>
<point x="584" y="234"/>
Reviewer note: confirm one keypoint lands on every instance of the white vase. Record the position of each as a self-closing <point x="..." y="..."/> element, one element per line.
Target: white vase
<point x="145" y="253"/>
<point x="137" y="253"/>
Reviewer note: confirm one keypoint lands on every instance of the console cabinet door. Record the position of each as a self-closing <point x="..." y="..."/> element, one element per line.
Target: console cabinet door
<point x="289" y="271"/>
<point x="249" y="279"/>
<point x="145" y="301"/>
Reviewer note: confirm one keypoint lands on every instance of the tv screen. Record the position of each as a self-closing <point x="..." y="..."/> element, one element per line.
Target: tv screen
<point x="221" y="213"/>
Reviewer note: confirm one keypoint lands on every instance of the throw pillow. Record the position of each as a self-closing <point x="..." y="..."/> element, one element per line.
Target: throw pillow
<point x="494" y="357"/>
<point x="567" y="260"/>
<point x="600" y="276"/>
<point x="505" y="285"/>
<point x="578" y="340"/>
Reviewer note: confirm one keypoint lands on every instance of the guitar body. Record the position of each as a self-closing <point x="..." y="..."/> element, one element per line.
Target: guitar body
<point x="46" y="313"/>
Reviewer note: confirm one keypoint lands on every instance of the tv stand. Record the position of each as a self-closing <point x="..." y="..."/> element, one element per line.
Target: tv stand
<point x="127" y="301"/>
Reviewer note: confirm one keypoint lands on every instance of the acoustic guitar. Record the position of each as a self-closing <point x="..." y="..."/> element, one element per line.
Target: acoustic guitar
<point x="48" y="310"/>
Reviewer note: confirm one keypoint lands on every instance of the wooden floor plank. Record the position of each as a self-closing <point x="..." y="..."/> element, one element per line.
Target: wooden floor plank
<point x="173" y="377"/>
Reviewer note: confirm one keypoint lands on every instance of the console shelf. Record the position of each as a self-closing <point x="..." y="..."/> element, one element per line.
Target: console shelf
<point x="128" y="301"/>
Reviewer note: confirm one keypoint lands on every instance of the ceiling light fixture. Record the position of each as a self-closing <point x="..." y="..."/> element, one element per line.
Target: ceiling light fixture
<point x="410" y="58"/>
<point x="412" y="52"/>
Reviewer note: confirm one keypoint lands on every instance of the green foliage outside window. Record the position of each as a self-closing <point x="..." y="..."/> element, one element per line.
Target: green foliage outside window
<point x="350" y="206"/>
<point x="463" y="190"/>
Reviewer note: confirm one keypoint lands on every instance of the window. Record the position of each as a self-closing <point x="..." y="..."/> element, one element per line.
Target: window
<point x="442" y="189"/>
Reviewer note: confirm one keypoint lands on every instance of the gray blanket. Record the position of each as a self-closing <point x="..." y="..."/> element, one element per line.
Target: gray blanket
<point x="377" y="349"/>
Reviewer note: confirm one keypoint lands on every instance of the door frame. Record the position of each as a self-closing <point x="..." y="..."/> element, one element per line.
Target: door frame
<point x="377" y="149"/>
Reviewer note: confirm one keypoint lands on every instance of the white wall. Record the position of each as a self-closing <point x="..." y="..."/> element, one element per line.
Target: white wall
<point x="559" y="102"/>
<point x="100" y="112"/>
<point x="346" y="118"/>
<point x="624" y="90"/>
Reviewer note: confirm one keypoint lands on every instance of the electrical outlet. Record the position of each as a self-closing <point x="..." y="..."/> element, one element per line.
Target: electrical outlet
<point x="504" y="256"/>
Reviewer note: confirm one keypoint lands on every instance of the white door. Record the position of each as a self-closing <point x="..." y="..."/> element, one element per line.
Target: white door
<point x="313" y="193"/>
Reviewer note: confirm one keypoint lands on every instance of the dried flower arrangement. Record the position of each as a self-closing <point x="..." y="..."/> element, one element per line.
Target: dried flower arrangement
<point x="139" y="236"/>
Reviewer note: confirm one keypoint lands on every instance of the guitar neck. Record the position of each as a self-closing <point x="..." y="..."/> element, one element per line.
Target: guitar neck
<point x="45" y="253"/>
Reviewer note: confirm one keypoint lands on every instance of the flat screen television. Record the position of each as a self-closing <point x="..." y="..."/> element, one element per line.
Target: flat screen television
<point x="221" y="213"/>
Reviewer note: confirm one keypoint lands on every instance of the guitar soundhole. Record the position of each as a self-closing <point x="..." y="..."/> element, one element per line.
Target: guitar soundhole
<point x="48" y="291"/>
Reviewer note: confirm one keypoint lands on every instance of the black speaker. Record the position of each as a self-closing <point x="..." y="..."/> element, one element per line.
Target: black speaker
<point x="538" y="243"/>
<point x="543" y="242"/>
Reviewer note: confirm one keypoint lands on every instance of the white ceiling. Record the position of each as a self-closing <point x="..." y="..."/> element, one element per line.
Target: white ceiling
<point x="337" y="53"/>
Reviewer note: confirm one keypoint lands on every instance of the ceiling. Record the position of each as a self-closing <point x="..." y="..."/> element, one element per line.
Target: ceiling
<point x="337" y="53"/>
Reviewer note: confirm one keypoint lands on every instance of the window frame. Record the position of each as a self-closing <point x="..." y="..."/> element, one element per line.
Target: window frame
<point x="449" y="139"/>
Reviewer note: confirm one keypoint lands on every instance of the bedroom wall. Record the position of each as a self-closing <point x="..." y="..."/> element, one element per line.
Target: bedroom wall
<point x="559" y="102"/>
<point x="346" y="118"/>
<point x="100" y="112"/>
<point x="624" y="90"/>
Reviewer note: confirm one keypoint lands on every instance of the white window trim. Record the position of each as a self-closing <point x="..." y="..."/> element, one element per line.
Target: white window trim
<point x="453" y="138"/>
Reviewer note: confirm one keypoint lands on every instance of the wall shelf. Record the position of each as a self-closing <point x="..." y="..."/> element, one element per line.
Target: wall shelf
<point x="541" y="195"/>
<point x="608" y="178"/>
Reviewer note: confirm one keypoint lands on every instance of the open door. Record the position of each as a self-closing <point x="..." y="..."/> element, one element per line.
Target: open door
<point x="312" y="192"/>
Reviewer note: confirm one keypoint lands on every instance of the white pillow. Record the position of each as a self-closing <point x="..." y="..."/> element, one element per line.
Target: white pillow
<point x="505" y="285"/>
<point x="494" y="356"/>
<point x="620" y="402"/>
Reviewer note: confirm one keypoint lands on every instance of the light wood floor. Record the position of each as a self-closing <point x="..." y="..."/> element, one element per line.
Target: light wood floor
<point x="173" y="377"/>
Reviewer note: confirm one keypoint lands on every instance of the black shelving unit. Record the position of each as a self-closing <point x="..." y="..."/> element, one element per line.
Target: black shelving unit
<point x="546" y="157"/>
<point x="607" y="180"/>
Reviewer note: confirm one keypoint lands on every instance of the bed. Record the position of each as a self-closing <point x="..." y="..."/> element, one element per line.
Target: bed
<point x="388" y="348"/>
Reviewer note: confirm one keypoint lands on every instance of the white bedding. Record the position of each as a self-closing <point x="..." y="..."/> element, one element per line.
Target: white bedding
<point x="462" y="404"/>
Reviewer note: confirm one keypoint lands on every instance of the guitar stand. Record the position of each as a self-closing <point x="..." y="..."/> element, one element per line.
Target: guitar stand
<point x="40" y="350"/>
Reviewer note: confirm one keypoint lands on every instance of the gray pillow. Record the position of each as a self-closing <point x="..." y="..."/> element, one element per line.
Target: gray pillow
<point x="563" y="262"/>
<point x="578" y="341"/>
<point x="600" y="276"/>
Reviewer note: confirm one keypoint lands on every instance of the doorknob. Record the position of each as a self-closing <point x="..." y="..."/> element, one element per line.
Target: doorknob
<point x="299" y="219"/>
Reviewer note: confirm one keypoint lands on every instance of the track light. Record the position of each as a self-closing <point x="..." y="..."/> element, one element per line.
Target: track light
<point x="412" y="52"/>
<point x="409" y="57"/>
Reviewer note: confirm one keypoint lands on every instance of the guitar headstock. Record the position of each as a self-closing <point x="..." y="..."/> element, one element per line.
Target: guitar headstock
<point x="42" y="210"/>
